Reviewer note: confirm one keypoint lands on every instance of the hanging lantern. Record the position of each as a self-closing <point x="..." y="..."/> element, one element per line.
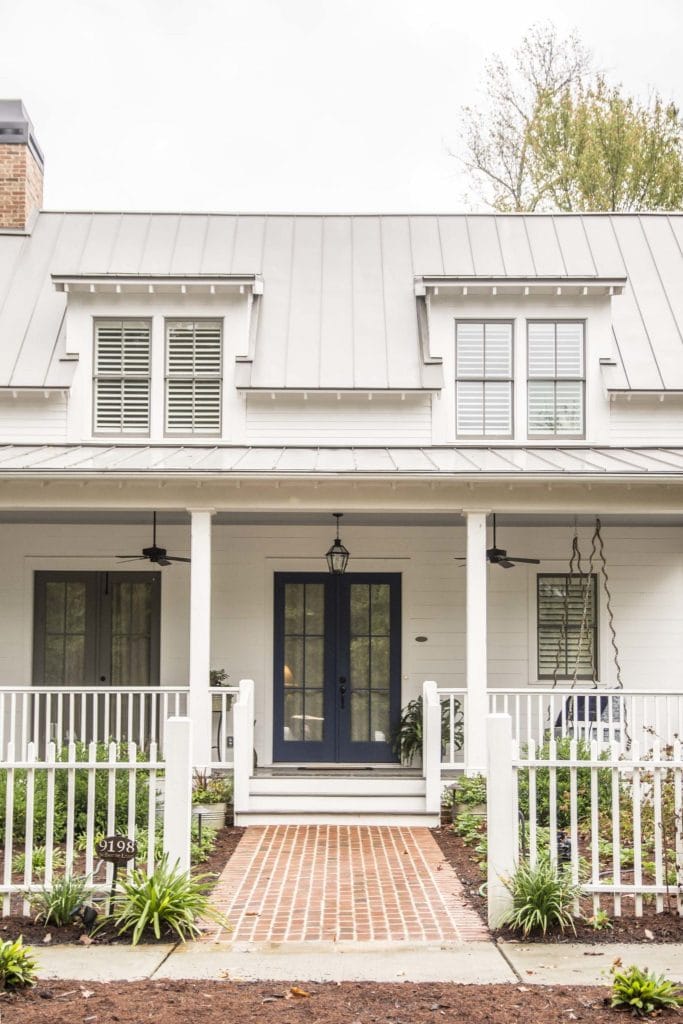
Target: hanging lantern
<point x="337" y="556"/>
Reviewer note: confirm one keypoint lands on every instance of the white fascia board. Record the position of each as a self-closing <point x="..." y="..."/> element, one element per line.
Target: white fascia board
<point x="471" y="284"/>
<point x="251" y="283"/>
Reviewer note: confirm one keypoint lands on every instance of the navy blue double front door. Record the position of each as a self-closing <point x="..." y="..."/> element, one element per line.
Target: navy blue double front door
<point x="337" y="666"/>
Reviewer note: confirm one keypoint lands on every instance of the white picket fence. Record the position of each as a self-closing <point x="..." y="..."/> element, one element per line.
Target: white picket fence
<point x="54" y="806"/>
<point x="614" y="817"/>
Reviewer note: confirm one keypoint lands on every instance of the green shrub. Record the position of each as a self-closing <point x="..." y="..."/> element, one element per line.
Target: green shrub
<point x="38" y="862"/>
<point x="167" y="899"/>
<point x="17" y="965"/>
<point x="583" y="786"/>
<point x="57" y="904"/>
<point x="542" y="897"/>
<point x="80" y="796"/>
<point x="471" y="790"/>
<point x="469" y="827"/>
<point x="211" y="789"/>
<point x="643" y="993"/>
<point x="599" y="921"/>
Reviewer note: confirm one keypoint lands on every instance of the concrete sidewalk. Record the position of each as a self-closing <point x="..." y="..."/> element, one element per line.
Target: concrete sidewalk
<point x="482" y="963"/>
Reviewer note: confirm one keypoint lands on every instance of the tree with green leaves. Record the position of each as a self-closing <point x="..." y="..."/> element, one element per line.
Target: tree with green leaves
<point x="554" y="135"/>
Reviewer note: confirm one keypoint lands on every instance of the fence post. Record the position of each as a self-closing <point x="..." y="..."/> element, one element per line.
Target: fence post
<point x="243" y="744"/>
<point x="431" y="746"/>
<point x="178" y="792"/>
<point x="500" y="811"/>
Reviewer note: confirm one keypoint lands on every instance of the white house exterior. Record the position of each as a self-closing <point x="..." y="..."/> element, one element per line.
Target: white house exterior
<point x="247" y="376"/>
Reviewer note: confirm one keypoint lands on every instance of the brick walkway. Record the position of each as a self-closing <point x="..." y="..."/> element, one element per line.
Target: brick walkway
<point x="294" y="883"/>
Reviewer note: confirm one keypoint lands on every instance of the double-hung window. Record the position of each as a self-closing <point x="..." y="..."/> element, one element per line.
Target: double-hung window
<point x="556" y="378"/>
<point x="483" y="369"/>
<point x="567" y="619"/>
<point x="193" y="376"/>
<point x="121" y="381"/>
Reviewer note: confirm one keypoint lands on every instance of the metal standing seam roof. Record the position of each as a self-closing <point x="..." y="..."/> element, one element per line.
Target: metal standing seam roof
<point x="338" y="309"/>
<point x="433" y="462"/>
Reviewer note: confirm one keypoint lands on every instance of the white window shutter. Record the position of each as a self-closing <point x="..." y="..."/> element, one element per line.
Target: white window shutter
<point x="484" y="379"/>
<point x="541" y="349"/>
<point x="122" y="372"/>
<point x="193" y="384"/>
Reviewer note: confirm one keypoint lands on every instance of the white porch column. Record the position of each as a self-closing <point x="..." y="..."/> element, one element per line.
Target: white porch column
<point x="476" y="708"/>
<point x="200" y="634"/>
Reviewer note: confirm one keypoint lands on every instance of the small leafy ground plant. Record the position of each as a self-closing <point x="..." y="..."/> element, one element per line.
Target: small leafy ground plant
<point x="168" y="899"/>
<point x="59" y="904"/>
<point x="643" y="993"/>
<point x="542" y="898"/>
<point x="17" y="965"/>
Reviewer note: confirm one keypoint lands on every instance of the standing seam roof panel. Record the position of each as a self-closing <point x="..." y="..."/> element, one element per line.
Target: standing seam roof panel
<point x="403" y="357"/>
<point x="303" y="327"/>
<point x="336" y="313"/>
<point x="370" y="343"/>
<point x="270" y="363"/>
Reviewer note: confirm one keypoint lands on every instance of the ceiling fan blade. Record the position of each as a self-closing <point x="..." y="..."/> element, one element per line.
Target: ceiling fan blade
<point x="177" y="558"/>
<point x="131" y="558"/>
<point x="505" y="563"/>
<point x="163" y="561"/>
<point x="530" y="561"/>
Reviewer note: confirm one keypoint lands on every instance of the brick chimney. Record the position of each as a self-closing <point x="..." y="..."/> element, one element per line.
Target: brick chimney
<point x="21" y="168"/>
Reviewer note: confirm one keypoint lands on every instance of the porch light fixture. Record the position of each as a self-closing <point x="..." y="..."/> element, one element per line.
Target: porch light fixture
<point x="338" y="556"/>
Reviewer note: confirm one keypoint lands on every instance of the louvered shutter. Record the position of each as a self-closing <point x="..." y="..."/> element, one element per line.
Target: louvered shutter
<point x="567" y="626"/>
<point x="484" y="385"/>
<point x="122" y="376"/>
<point x="555" y="394"/>
<point x="193" y="383"/>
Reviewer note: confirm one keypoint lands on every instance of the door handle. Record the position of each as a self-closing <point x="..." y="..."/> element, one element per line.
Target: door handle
<point x="342" y="691"/>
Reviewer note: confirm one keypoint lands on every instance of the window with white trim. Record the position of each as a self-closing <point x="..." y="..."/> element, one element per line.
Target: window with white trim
<point x="567" y="624"/>
<point x="193" y="376"/>
<point x="483" y="386"/>
<point x="556" y="378"/>
<point x="121" y="381"/>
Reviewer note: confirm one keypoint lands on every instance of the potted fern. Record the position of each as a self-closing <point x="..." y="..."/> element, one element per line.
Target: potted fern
<point x="408" y="735"/>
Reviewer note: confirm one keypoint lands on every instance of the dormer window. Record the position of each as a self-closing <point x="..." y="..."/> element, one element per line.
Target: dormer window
<point x="193" y="376"/>
<point x="483" y="369"/>
<point x="122" y="376"/>
<point x="556" y="378"/>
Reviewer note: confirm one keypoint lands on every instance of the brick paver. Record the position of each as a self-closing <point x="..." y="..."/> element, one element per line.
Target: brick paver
<point x="298" y="883"/>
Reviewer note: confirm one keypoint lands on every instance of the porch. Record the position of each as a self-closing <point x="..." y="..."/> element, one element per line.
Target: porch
<point x="466" y="635"/>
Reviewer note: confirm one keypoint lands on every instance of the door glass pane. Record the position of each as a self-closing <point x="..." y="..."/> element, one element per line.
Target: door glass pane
<point x="369" y="661"/>
<point x="131" y="639"/>
<point x="64" y="638"/>
<point x="304" y="662"/>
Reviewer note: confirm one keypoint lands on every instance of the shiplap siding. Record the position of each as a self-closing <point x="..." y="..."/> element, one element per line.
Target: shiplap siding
<point x="349" y="419"/>
<point x="645" y="566"/>
<point x="646" y="421"/>
<point x="33" y="418"/>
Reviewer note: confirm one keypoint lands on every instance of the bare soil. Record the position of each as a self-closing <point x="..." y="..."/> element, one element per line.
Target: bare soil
<point x="38" y="934"/>
<point x="178" y="1002"/>
<point x="651" y="927"/>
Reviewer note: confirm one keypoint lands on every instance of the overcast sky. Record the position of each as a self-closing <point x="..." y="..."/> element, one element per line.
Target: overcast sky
<point x="301" y="105"/>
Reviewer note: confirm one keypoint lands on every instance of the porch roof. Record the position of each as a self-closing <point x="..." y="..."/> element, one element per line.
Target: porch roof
<point x="131" y="460"/>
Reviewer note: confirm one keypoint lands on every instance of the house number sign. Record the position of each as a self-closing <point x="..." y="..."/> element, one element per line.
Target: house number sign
<point x="118" y="849"/>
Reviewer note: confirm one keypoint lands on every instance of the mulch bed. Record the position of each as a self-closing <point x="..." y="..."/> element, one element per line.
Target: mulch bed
<point x="37" y="934"/>
<point x="651" y="927"/>
<point x="177" y="1002"/>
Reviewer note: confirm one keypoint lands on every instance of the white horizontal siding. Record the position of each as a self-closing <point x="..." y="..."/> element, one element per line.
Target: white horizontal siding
<point x="645" y="567"/>
<point x="33" y="418"/>
<point x="646" y="421"/>
<point x="349" y="419"/>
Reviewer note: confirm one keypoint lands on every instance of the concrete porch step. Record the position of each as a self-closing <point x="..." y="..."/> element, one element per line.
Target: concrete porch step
<point x="348" y="802"/>
<point x="337" y="786"/>
<point x="359" y="816"/>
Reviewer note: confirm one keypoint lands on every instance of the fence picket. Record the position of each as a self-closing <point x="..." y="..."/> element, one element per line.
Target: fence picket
<point x="616" y="837"/>
<point x="636" y="798"/>
<point x="132" y="790"/>
<point x="657" y="813"/>
<point x="70" y="809"/>
<point x="595" y="825"/>
<point x="51" y="755"/>
<point x="9" y="830"/>
<point x="574" y="817"/>
<point x="678" y="821"/>
<point x="151" y="808"/>
<point x="28" y="834"/>
<point x="552" y="799"/>
<point x="533" y="804"/>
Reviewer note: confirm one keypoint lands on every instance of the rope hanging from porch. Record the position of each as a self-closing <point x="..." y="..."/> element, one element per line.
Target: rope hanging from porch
<point x="597" y="562"/>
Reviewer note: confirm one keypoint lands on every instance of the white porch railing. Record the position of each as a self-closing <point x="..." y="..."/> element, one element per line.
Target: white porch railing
<point x="42" y="715"/>
<point x="617" y="718"/>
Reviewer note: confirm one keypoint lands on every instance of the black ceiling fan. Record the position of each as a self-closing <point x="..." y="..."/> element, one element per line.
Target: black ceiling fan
<point x="153" y="554"/>
<point x="499" y="556"/>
